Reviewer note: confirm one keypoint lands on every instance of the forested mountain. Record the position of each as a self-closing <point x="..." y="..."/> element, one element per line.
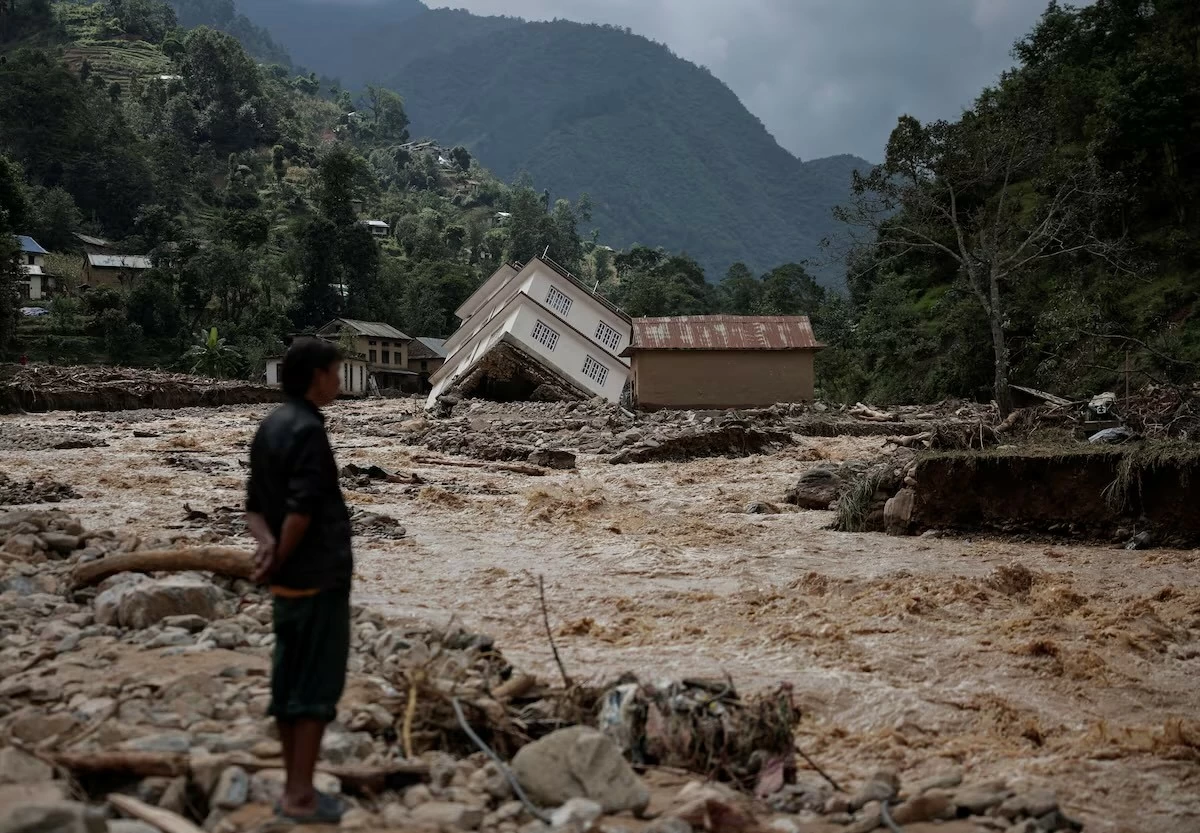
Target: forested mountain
<point x="245" y="181"/>
<point x="668" y="154"/>
<point x="1050" y="237"/>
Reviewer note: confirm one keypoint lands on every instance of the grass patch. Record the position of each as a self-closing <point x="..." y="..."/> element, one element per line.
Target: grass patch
<point x="854" y="507"/>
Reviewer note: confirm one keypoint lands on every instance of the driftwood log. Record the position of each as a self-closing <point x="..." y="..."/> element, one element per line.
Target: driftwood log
<point x="226" y="561"/>
<point x="141" y="764"/>
<point x="156" y="817"/>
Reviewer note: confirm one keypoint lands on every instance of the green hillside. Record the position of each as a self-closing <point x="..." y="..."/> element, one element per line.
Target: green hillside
<point x="667" y="152"/>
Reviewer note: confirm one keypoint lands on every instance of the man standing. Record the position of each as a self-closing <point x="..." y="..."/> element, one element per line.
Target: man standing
<point x="296" y="513"/>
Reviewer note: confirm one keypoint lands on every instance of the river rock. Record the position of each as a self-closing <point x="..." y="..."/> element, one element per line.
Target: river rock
<point x="448" y="814"/>
<point x="58" y="817"/>
<point x="18" y="767"/>
<point x="145" y="603"/>
<point x="897" y="512"/>
<point x="930" y="806"/>
<point x="579" y="762"/>
<point x="60" y="542"/>
<point x="1034" y="804"/>
<point x="232" y="790"/>
<point x="578" y="814"/>
<point x="884" y="785"/>
<point x="131" y="826"/>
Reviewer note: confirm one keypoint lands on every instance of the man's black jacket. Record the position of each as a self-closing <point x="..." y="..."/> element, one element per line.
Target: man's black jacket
<point x="292" y="471"/>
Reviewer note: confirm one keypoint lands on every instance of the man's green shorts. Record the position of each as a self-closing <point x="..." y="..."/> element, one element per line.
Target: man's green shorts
<point x="312" y="645"/>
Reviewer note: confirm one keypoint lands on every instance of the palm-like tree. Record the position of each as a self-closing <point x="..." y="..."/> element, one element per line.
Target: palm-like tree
<point x="212" y="356"/>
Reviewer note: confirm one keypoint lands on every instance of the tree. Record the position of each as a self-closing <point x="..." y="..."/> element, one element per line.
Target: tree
<point x="13" y="214"/>
<point x="740" y="291"/>
<point x="212" y="356"/>
<point x="461" y="157"/>
<point x="389" y="122"/>
<point x="790" y="290"/>
<point x="992" y="194"/>
<point x="226" y="90"/>
<point x="54" y="218"/>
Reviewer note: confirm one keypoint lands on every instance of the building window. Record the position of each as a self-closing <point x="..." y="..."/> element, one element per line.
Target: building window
<point x="607" y="336"/>
<point x="424" y="365"/>
<point x="371" y="356"/>
<point x="387" y="357"/>
<point x="544" y="335"/>
<point x="346" y="371"/>
<point x="32" y="260"/>
<point x="594" y="370"/>
<point x="279" y="373"/>
<point x="372" y="343"/>
<point x="558" y="302"/>
<point x="362" y="384"/>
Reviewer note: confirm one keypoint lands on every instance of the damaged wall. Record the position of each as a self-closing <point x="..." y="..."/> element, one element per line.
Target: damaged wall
<point x="721" y="378"/>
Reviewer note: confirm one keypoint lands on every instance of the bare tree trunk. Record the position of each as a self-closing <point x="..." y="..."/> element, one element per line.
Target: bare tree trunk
<point x="1001" y="388"/>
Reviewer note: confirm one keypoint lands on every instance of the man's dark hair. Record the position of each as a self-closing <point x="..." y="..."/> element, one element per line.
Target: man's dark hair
<point x="304" y="358"/>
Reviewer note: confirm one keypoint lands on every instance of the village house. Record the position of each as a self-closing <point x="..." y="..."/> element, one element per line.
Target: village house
<point x="535" y="331"/>
<point x="114" y="271"/>
<point x="378" y="228"/>
<point x="356" y="378"/>
<point x="425" y="357"/>
<point x="384" y="347"/>
<point x="721" y="361"/>
<point x="36" y="284"/>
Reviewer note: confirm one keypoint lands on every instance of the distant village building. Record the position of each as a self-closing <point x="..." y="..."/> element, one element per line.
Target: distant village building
<point x="35" y="284"/>
<point x="356" y="378"/>
<point x="114" y="271"/>
<point x="383" y="346"/>
<point x="534" y="331"/>
<point x="425" y="357"/>
<point x="721" y="361"/>
<point x="378" y="228"/>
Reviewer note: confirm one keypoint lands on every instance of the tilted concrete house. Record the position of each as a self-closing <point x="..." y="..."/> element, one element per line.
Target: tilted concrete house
<point x="535" y="331"/>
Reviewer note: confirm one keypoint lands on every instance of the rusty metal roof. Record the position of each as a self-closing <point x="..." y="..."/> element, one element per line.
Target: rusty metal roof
<point x="724" y="332"/>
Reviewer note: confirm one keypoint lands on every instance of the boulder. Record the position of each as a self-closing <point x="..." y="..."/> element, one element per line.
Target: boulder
<point x="817" y="488"/>
<point x="897" y="512"/>
<point x="57" y="817"/>
<point x="579" y="762"/>
<point x="145" y="603"/>
<point x="930" y="806"/>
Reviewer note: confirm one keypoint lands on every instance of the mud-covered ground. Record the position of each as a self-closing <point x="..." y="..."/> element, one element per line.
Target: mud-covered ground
<point x="1068" y="666"/>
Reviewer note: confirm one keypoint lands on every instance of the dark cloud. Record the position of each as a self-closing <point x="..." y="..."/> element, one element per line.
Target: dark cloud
<point x="824" y="76"/>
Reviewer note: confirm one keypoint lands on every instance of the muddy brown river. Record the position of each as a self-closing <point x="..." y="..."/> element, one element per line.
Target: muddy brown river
<point x="1059" y="665"/>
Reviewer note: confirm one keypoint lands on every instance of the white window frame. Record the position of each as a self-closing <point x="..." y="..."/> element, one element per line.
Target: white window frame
<point x="609" y="336"/>
<point x="558" y="301"/>
<point x="595" y="370"/>
<point x="545" y="335"/>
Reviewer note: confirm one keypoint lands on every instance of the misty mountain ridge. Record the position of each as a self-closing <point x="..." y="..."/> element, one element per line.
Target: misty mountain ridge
<point x="668" y="153"/>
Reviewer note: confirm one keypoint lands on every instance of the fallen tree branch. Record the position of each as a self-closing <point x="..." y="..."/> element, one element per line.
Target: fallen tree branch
<point x="157" y="817"/>
<point x="550" y="635"/>
<point x="226" y="561"/>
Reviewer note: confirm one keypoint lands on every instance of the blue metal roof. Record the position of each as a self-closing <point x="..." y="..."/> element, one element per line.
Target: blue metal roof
<point x="30" y="246"/>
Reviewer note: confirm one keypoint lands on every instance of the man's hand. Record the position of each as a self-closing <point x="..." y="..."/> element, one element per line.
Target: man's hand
<point x="265" y="558"/>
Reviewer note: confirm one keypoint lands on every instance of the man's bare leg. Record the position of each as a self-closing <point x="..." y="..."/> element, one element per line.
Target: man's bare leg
<point x="287" y="742"/>
<point x="300" y="797"/>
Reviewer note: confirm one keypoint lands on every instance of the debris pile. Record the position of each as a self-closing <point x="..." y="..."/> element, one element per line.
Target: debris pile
<point x="26" y="492"/>
<point x="97" y="388"/>
<point x="148" y="690"/>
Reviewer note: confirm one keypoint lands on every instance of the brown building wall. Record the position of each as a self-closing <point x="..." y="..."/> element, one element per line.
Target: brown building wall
<point x="721" y="378"/>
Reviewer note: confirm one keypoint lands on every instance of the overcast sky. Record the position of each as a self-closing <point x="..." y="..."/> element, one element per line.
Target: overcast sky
<point x="824" y="76"/>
